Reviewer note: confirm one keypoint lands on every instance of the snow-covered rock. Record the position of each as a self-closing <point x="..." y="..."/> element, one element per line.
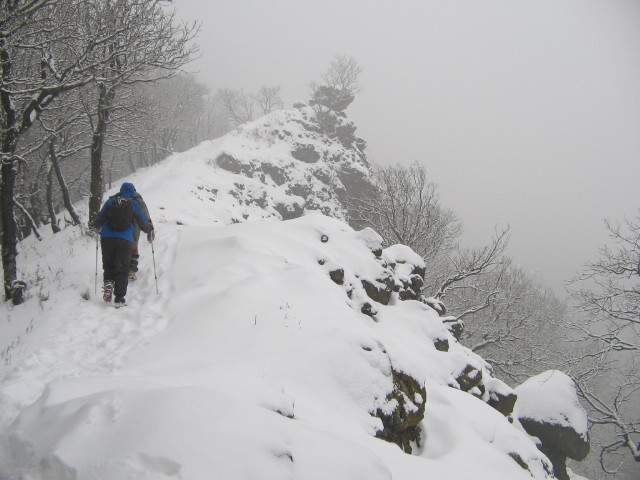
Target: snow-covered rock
<point x="548" y="408"/>
<point x="288" y="163"/>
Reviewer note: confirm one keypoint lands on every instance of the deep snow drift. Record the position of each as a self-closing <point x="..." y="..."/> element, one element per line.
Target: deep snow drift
<point x="251" y="362"/>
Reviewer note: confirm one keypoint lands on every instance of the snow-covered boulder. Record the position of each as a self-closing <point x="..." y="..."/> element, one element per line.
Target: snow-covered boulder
<point x="402" y="412"/>
<point x="437" y="305"/>
<point x="501" y="396"/>
<point x="409" y="269"/>
<point x="548" y="408"/>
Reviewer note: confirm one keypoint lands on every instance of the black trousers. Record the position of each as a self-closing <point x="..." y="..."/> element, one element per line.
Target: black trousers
<point x="116" y="253"/>
<point x="135" y="255"/>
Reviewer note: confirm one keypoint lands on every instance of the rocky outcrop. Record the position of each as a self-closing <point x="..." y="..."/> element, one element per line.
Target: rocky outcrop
<point x="409" y="270"/>
<point x="501" y="397"/>
<point x="289" y="211"/>
<point x="379" y="289"/>
<point x="437" y="305"/>
<point x="337" y="275"/>
<point x="234" y="165"/>
<point x="562" y="428"/>
<point x="391" y="276"/>
<point x="441" y="344"/>
<point x="298" y="162"/>
<point x="305" y="153"/>
<point x="333" y="98"/>
<point x="455" y="326"/>
<point x="558" y="443"/>
<point x="402" y="412"/>
<point x="469" y="377"/>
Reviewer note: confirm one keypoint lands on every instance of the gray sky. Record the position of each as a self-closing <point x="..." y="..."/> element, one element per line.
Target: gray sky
<point x="525" y="113"/>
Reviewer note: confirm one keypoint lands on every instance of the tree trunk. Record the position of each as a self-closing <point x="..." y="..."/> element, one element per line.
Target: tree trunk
<point x="66" y="198"/>
<point x="9" y="231"/>
<point x="52" y="211"/>
<point x="8" y="173"/>
<point x="105" y="99"/>
<point x="132" y="164"/>
<point x="31" y="223"/>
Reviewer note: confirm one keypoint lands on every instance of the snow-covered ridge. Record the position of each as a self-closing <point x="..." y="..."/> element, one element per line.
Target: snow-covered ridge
<point x="274" y="349"/>
<point x="252" y="351"/>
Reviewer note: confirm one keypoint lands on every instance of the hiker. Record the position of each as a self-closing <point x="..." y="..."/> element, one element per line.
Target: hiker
<point x="135" y="254"/>
<point x="117" y="218"/>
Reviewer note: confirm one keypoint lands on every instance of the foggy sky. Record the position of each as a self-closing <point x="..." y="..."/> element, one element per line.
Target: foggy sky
<point x="525" y="113"/>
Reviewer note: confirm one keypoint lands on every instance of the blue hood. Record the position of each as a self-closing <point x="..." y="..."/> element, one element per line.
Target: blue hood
<point x="128" y="190"/>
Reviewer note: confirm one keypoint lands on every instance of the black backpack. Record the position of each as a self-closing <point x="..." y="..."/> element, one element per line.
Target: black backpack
<point x="119" y="214"/>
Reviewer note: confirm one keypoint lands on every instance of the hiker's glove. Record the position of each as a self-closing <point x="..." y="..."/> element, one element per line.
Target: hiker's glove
<point x="151" y="236"/>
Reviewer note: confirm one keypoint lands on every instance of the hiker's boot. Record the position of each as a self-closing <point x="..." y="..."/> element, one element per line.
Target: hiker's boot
<point x="107" y="291"/>
<point x="119" y="302"/>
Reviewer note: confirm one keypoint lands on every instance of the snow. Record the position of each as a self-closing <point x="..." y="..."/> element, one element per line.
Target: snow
<point x="550" y="397"/>
<point x="249" y="363"/>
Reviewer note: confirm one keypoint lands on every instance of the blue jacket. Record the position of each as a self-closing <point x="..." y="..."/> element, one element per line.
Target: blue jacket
<point x="129" y="191"/>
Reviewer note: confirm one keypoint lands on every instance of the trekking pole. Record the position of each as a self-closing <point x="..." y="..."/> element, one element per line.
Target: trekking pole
<point x="153" y="255"/>
<point x="95" y="289"/>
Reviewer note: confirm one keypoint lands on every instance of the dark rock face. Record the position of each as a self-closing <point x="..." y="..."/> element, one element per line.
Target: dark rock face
<point x="562" y="432"/>
<point x="401" y="425"/>
<point x="408" y="272"/>
<point x="380" y="291"/>
<point x="233" y="165"/>
<point x="469" y="378"/>
<point x="441" y="344"/>
<point x="437" y="305"/>
<point x="559" y="463"/>
<point x="337" y="275"/>
<point x="300" y="189"/>
<point x="409" y="289"/>
<point x="558" y="443"/>
<point x="368" y="309"/>
<point x="562" y="440"/>
<point x="519" y="461"/>
<point x="503" y="403"/>
<point x="277" y="174"/>
<point x="322" y="175"/>
<point x="346" y="133"/>
<point x="333" y="98"/>
<point x="456" y="327"/>
<point x="289" y="212"/>
<point x="305" y="153"/>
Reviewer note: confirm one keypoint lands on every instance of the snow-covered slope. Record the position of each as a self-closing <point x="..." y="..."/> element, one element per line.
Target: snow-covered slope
<point x="276" y="167"/>
<point x="262" y="356"/>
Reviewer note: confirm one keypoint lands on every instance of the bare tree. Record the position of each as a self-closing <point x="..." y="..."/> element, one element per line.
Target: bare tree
<point x="145" y="44"/>
<point x="162" y="117"/>
<point x="243" y="107"/>
<point x="238" y="105"/>
<point x="343" y="74"/>
<point x="405" y="208"/>
<point x="607" y="292"/>
<point x="213" y="121"/>
<point x="521" y="326"/>
<point x="268" y="99"/>
<point x="41" y="57"/>
<point x="506" y="310"/>
<point x="340" y="84"/>
<point x="466" y="266"/>
<point x="65" y="139"/>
